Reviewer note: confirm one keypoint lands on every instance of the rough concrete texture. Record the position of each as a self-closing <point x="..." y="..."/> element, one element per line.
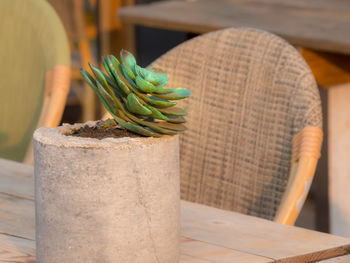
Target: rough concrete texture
<point x="110" y="200"/>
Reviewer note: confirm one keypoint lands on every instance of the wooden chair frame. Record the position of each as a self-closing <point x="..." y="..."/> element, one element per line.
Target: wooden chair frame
<point x="88" y="97"/>
<point x="55" y="95"/>
<point x="305" y="154"/>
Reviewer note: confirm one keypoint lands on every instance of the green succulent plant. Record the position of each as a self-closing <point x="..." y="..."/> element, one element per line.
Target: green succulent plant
<point x="136" y="97"/>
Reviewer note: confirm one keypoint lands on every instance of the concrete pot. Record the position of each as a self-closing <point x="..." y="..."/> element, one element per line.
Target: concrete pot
<point x="110" y="200"/>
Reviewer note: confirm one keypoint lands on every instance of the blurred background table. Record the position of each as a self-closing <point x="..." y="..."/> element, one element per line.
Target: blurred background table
<point x="320" y="30"/>
<point x="320" y="25"/>
<point x="208" y="234"/>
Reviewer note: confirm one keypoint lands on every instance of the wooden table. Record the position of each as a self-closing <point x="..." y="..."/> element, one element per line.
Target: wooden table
<point x="316" y="24"/>
<point x="208" y="234"/>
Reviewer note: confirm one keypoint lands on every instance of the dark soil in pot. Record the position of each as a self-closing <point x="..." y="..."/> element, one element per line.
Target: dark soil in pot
<point x="101" y="131"/>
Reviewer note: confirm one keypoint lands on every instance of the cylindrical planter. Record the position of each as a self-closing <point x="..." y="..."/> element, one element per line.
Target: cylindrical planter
<point x="110" y="200"/>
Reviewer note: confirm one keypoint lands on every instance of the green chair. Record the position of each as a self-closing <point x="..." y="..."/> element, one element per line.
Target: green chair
<point x="35" y="74"/>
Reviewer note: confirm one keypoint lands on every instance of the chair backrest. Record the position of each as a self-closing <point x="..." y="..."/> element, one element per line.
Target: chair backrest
<point x="251" y="94"/>
<point x="34" y="68"/>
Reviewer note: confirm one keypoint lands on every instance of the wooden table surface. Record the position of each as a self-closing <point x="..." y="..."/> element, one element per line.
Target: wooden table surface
<point x="208" y="234"/>
<point x="316" y="24"/>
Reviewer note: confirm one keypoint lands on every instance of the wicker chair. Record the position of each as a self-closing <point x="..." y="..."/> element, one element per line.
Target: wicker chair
<point x="254" y="120"/>
<point x="35" y="74"/>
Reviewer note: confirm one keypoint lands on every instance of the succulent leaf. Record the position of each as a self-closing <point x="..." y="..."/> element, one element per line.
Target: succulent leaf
<point x="113" y="63"/>
<point x="136" y="97"/>
<point x="128" y="58"/>
<point x="139" y="129"/>
<point x="172" y="126"/>
<point x="177" y="111"/>
<point x="162" y="91"/>
<point x="144" y="85"/>
<point x="135" y="106"/>
<point x="156" y="113"/>
<point x="127" y="77"/>
<point x="92" y="83"/>
<point x="156" y="78"/>
<point x="161" y="103"/>
<point x="128" y="62"/>
<point x="154" y="126"/>
<point x="105" y="65"/>
<point x="176" y="94"/>
<point x="99" y="75"/>
<point x="176" y="119"/>
<point x="139" y="71"/>
<point x="107" y="99"/>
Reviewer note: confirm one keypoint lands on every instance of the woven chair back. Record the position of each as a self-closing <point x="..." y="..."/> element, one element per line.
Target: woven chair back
<point x="251" y="94"/>
<point x="33" y="42"/>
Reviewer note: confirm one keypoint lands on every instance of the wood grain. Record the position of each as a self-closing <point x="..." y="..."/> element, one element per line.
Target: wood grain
<point x="16" y="250"/>
<point x="17" y="216"/>
<point x="320" y="25"/>
<point x="189" y="259"/>
<point x="16" y="179"/>
<point x="258" y="236"/>
<point x="341" y="259"/>
<point x="197" y="250"/>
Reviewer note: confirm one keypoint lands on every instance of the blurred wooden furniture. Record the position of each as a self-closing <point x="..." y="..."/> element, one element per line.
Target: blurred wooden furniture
<point x="315" y="25"/>
<point x="35" y="74"/>
<point x="92" y="34"/>
<point x="208" y="234"/>
<point x="114" y="35"/>
<point x="318" y="25"/>
<point x="254" y="125"/>
<point x="73" y="16"/>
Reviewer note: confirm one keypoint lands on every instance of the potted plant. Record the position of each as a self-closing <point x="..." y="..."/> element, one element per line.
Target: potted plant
<point x="113" y="199"/>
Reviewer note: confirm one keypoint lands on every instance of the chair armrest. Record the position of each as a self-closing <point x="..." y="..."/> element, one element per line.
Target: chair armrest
<point x="305" y="154"/>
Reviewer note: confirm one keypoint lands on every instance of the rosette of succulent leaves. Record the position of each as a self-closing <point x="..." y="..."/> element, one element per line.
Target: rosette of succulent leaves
<point x="136" y="97"/>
